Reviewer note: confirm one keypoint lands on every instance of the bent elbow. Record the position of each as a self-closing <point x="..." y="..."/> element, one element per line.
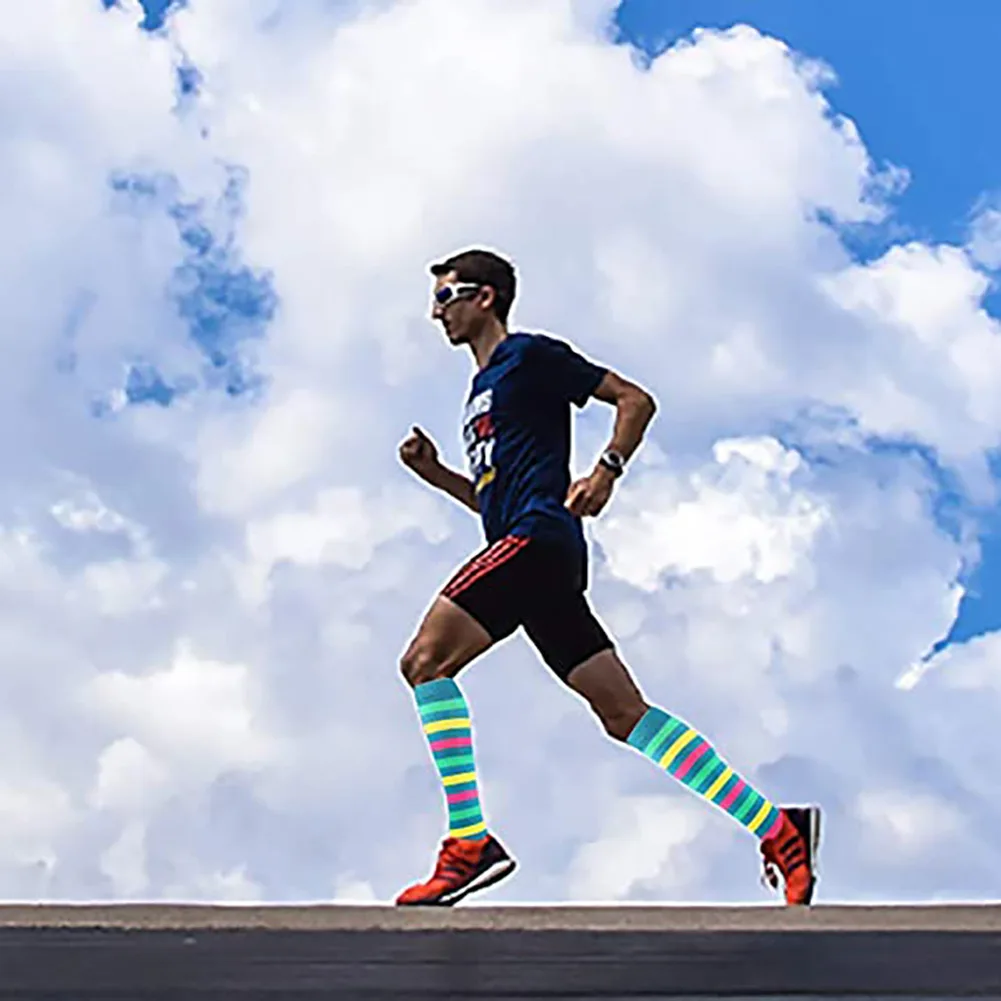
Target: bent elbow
<point x="644" y="402"/>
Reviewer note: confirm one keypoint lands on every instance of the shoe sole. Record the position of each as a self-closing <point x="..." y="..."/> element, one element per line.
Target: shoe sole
<point x="488" y="877"/>
<point x="806" y="820"/>
<point x="493" y="874"/>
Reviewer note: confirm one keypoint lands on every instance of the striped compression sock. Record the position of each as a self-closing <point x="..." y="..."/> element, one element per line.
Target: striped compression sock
<point x="448" y="728"/>
<point x="691" y="759"/>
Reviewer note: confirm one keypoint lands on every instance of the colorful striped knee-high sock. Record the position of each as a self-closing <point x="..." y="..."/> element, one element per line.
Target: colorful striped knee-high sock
<point x="691" y="759"/>
<point x="448" y="728"/>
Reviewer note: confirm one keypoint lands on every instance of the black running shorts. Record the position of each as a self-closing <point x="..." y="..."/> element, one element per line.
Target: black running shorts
<point x="536" y="584"/>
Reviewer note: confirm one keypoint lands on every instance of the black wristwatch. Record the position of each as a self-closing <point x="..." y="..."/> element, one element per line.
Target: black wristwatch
<point x="613" y="462"/>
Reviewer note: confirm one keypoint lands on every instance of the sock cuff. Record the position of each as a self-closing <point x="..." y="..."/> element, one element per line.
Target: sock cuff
<point x="437" y="691"/>
<point x="649" y="725"/>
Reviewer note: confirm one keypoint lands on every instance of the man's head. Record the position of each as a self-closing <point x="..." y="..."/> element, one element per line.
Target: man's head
<point x="472" y="290"/>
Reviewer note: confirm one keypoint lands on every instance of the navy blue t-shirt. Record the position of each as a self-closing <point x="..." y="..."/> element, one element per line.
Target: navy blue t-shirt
<point x="516" y="431"/>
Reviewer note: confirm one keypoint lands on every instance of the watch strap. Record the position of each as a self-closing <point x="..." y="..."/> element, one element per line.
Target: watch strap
<point x="612" y="461"/>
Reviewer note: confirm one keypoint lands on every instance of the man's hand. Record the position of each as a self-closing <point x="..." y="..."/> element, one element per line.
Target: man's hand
<point x="587" y="497"/>
<point x="419" y="453"/>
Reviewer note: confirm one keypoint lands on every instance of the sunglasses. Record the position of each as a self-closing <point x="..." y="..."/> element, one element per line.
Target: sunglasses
<point x="455" y="290"/>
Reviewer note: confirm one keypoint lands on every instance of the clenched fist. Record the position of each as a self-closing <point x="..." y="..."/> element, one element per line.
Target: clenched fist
<point x="587" y="497"/>
<point x="419" y="453"/>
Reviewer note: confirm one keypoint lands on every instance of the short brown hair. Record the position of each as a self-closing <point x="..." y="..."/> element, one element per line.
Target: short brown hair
<point x="485" y="268"/>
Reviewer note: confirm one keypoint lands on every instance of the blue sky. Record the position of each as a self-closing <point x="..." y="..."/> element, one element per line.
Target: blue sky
<point x="916" y="78"/>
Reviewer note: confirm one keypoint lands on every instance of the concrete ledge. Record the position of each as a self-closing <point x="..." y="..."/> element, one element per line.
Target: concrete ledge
<point x="339" y="917"/>
<point x="310" y="952"/>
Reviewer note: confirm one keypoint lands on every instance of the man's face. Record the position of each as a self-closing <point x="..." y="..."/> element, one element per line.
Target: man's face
<point x="462" y="317"/>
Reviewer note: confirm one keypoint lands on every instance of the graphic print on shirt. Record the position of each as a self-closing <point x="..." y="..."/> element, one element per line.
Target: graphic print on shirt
<point x="479" y="438"/>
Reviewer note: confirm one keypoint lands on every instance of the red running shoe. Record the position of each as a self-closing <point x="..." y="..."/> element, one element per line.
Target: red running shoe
<point x="792" y="852"/>
<point x="463" y="867"/>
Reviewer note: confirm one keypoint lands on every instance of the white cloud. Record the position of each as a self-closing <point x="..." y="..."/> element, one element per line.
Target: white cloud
<point x="203" y="605"/>
<point x="938" y="381"/>
<point x="199" y="713"/>
<point x="344" y="527"/>
<point x="648" y="840"/>
<point x="902" y="828"/>
<point x="232" y="886"/>
<point x="124" y="862"/>
<point x="974" y="664"/>
<point x="354" y="891"/>
<point x="984" y="240"/>
<point x="38" y="812"/>
<point x="129" y="778"/>
<point x="284" y="445"/>
<point x="741" y="517"/>
<point x="120" y="587"/>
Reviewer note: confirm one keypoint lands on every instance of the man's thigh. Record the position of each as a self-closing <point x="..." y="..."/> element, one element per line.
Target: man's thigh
<point x="557" y="616"/>
<point x="490" y="587"/>
<point x="447" y="640"/>
<point x="478" y="607"/>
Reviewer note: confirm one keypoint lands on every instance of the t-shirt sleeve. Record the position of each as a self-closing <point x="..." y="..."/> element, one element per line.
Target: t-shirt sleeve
<point x="562" y="370"/>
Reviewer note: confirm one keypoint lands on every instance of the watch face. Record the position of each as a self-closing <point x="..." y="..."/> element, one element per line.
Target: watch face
<point x="613" y="461"/>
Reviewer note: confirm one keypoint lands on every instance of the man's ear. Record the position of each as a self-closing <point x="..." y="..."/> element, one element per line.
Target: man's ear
<point x="488" y="296"/>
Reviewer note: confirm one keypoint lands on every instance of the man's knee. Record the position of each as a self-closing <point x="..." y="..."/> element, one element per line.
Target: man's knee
<point x="422" y="663"/>
<point x="447" y="639"/>
<point x="608" y="687"/>
<point x="619" y="720"/>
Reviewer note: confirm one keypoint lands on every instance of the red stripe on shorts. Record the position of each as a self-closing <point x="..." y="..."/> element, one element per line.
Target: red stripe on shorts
<point x="487" y="558"/>
<point x="498" y="554"/>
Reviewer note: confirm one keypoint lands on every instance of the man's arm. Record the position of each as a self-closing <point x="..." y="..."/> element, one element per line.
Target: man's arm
<point x="454" y="484"/>
<point x="420" y="454"/>
<point x="634" y="409"/>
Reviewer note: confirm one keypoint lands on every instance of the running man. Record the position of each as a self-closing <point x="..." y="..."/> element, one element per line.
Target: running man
<point x="533" y="573"/>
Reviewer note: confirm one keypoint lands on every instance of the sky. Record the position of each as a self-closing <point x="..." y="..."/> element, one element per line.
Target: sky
<point x="214" y="304"/>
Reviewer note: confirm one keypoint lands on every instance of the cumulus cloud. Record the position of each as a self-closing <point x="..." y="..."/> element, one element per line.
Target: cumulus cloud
<point x="646" y="839"/>
<point x="213" y="305"/>
<point x="744" y="519"/>
<point x="199" y="713"/>
<point x="984" y="241"/>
